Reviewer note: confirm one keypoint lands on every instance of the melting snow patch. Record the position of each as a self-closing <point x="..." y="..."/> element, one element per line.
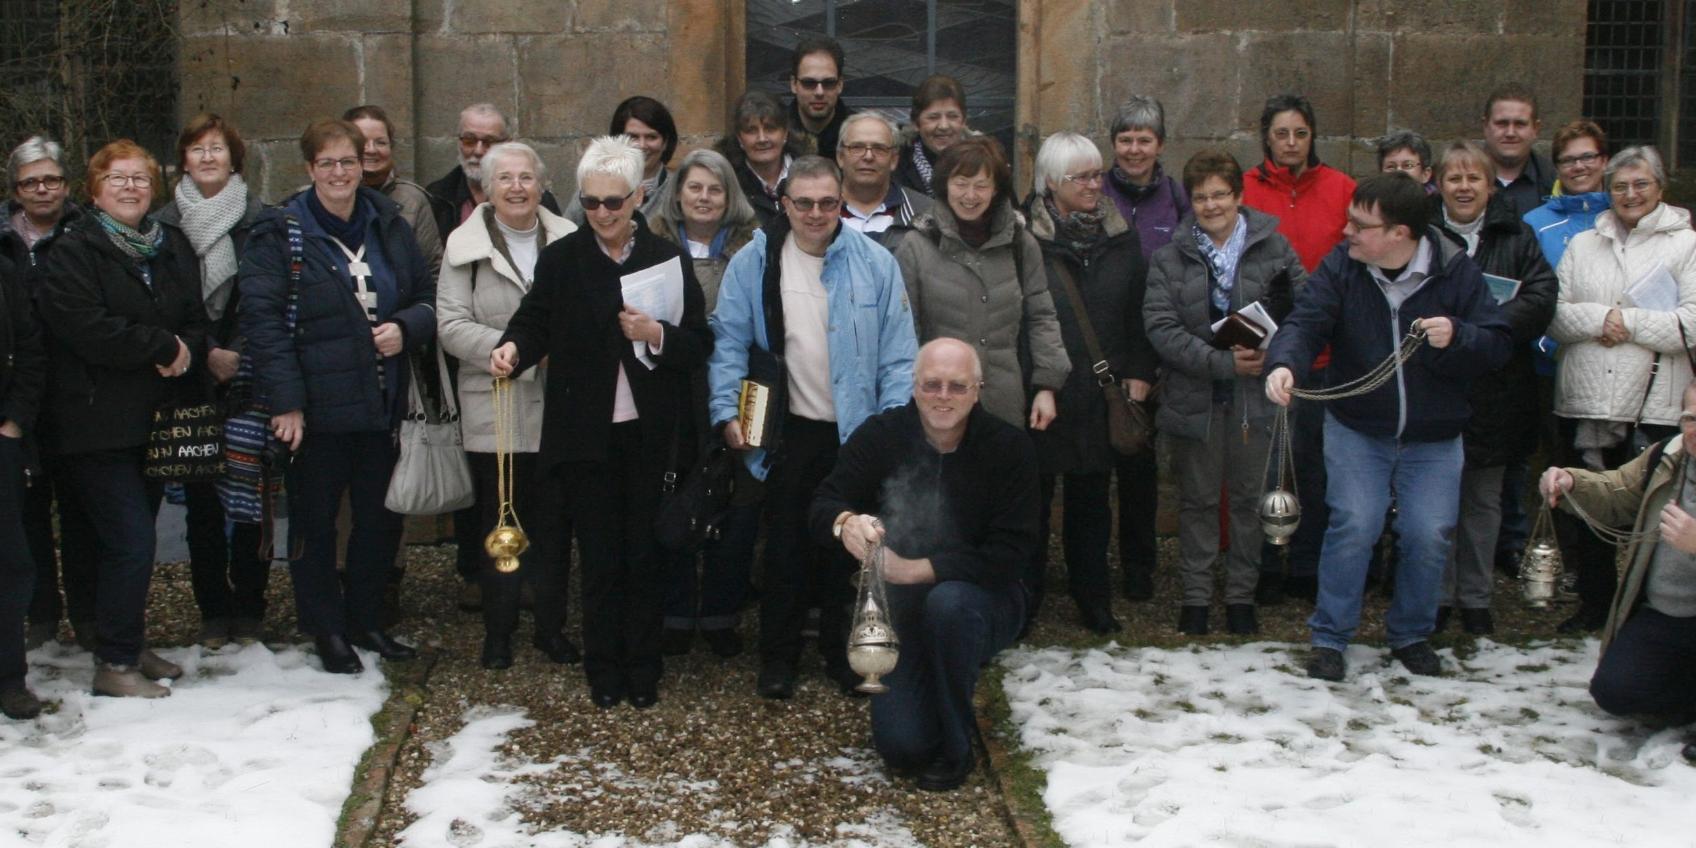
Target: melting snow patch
<point x="253" y="748"/>
<point x="1235" y="745"/>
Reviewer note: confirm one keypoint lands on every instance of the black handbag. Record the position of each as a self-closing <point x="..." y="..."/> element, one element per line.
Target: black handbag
<point x="186" y="444"/>
<point x="691" y="510"/>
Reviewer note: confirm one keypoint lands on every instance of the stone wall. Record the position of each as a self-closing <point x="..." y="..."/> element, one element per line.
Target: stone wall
<point x="560" y="66"/>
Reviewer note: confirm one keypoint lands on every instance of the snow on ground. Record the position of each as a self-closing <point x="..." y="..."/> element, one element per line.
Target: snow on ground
<point x="1236" y="746"/>
<point x="470" y="797"/>
<point x="253" y="749"/>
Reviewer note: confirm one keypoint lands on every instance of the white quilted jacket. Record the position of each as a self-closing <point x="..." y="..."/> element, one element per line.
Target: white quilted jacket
<point x="1599" y="265"/>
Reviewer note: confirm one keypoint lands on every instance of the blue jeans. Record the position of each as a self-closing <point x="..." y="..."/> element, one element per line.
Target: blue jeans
<point x="948" y="631"/>
<point x="1362" y="473"/>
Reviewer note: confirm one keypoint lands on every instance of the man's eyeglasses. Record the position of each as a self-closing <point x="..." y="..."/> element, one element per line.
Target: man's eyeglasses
<point x="823" y="204"/>
<point x="613" y="204"/>
<point x="52" y="183"/>
<point x="474" y="140"/>
<point x="810" y="83"/>
<point x="860" y="148"/>
<point x="941" y="388"/>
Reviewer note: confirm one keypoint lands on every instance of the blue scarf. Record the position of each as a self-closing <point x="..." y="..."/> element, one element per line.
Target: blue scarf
<point x="1222" y="262"/>
<point x="350" y="232"/>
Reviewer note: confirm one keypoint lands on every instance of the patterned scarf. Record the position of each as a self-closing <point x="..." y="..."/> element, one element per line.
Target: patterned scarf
<point x="138" y="245"/>
<point x="207" y="222"/>
<point x="1222" y="262"/>
<point x="1081" y="230"/>
<point x="922" y="163"/>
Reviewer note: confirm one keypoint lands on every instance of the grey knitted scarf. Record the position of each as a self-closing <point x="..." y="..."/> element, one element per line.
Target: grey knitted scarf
<point x="207" y="222"/>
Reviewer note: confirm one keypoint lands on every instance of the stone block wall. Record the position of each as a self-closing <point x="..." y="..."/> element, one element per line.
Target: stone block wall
<point x="1368" y="66"/>
<point x="558" y="67"/>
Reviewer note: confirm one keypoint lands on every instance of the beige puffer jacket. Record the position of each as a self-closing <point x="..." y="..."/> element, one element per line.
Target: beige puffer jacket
<point x="476" y="296"/>
<point x="1609" y="382"/>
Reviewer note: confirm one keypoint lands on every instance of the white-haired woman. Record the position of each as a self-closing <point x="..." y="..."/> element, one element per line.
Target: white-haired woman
<point x="701" y="211"/>
<point x="487" y="269"/>
<point x="1085" y="241"/>
<point x="1623" y="367"/>
<point x="616" y="400"/>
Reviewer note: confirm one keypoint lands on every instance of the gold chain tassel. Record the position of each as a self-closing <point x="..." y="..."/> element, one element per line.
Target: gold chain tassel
<point x="507" y="541"/>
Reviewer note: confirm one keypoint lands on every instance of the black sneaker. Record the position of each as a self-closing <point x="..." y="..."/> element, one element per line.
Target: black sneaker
<point x="17" y="702"/>
<point x="1326" y="664"/>
<point x="1477" y="622"/>
<point x="1419" y="658"/>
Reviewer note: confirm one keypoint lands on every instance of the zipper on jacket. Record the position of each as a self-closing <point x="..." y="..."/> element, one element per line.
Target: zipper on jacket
<point x="1401" y="384"/>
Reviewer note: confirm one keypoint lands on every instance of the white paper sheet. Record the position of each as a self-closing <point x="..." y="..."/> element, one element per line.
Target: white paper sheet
<point x="1656" y="291"/>
<point x="657" y="291"/>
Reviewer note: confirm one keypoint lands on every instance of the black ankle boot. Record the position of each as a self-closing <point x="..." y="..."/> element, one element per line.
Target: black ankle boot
<point x="497" y="652"/>
<point x="1192" y="620"/>
<point x="385" y="645"/>
<point x="338" y="656"/>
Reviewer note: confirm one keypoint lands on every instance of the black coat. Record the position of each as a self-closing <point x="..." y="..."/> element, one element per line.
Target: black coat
<point x="224" y="332"/>
<point x="1505" y="418"/>
<point x="107" y="330"/>
<point x="328" y="367"/>
<point x="24" y="258"/>
<point x="1112" y="278"/>
<point x="23" y="361"/>
<point x="570" y="316"/>
<point x="972" y="512"/>
<point x="451" y="192"/>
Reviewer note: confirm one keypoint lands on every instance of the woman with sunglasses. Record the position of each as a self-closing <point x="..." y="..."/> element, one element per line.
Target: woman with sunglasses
<point x="329" y="353"/>
<point x="119" y="297"/>
<point x="616" y="409"/>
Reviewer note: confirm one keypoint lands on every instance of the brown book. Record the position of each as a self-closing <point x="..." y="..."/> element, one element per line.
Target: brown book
<point x="1238" y="329"/>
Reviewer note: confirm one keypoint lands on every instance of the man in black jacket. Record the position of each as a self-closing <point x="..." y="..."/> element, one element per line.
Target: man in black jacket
<point x="23" y="371"/>
<point x="1523" y="175"/>
<point x="815" y="78"/>
<point x="954" y="492"/>
<point x="1394" y="273"/>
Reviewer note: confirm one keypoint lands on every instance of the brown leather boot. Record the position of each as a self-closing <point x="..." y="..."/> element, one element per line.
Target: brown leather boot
<point x="154" y="667"/>
<point x="125" y="681"/>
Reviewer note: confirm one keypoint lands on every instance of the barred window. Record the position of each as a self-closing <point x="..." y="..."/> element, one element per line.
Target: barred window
<point x="892" y="46"/>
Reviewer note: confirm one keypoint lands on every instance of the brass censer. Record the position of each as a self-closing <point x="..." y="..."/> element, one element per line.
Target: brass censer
<point x="873" y="647"/>
<point x="507" y="541"/>
<point x="1280" y="508"/>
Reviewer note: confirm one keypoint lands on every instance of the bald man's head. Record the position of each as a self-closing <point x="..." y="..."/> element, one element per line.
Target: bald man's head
<point x="950" y="351"/>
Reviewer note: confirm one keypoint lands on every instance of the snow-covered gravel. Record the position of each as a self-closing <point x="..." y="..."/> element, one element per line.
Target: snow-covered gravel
<point x="472" y="795"/>
<point x="1234" y="745"/>
<point x="253" y="749"/>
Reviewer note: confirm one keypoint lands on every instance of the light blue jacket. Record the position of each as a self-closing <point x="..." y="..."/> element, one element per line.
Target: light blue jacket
<point x="872" y="344"/>
<point x="1555" y="223"/>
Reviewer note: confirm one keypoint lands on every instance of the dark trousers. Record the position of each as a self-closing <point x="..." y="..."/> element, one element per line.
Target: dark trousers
<point x="17" y="568"/>
<point x="120" y="504"/>
<point x="329" y="465"/>
<point x="225" y="569"/>
<point x="1649" y="668"/>
<point x="1307" y="444"/>
<point x="76" y="556"/>
<point x="1590" y="557"/>
<point x="545" y="565"/>
<point x="1086" y="525"/>
<point x="468" y="541"/>
<point x="612" y="505"/>
<point x="709" y="596"/>
<point x="948" y="631"/>
<point x="1139" y="501"/>
<point x="797" y="568"/>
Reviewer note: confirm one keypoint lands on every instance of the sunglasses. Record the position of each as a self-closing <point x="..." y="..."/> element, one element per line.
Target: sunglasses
<point x="613" y="204"/>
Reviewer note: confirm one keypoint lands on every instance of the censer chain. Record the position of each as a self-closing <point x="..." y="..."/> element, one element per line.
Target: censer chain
<point x="504" y="439"/>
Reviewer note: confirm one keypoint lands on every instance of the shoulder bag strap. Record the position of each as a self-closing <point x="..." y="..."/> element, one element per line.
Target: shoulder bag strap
<point x="297" y="261"/>
<point x="1654" y="371"/>
<point x="1102" y="370"/>
<point x="450" y="404"/>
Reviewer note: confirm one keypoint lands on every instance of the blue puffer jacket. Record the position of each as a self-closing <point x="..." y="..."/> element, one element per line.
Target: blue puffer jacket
<point x="328" y="368"/>
<point x="1344" y="306"/>
<point x="1555" y="223"/>
<point x="872" y="343"/>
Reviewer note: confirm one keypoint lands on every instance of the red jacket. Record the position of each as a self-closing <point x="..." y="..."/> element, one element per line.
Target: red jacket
<point x="1311" y="209"/>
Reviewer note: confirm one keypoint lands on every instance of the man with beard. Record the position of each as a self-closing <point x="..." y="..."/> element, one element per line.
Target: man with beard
<point x="815" y="78"/>
<point x="481" y="126"/>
